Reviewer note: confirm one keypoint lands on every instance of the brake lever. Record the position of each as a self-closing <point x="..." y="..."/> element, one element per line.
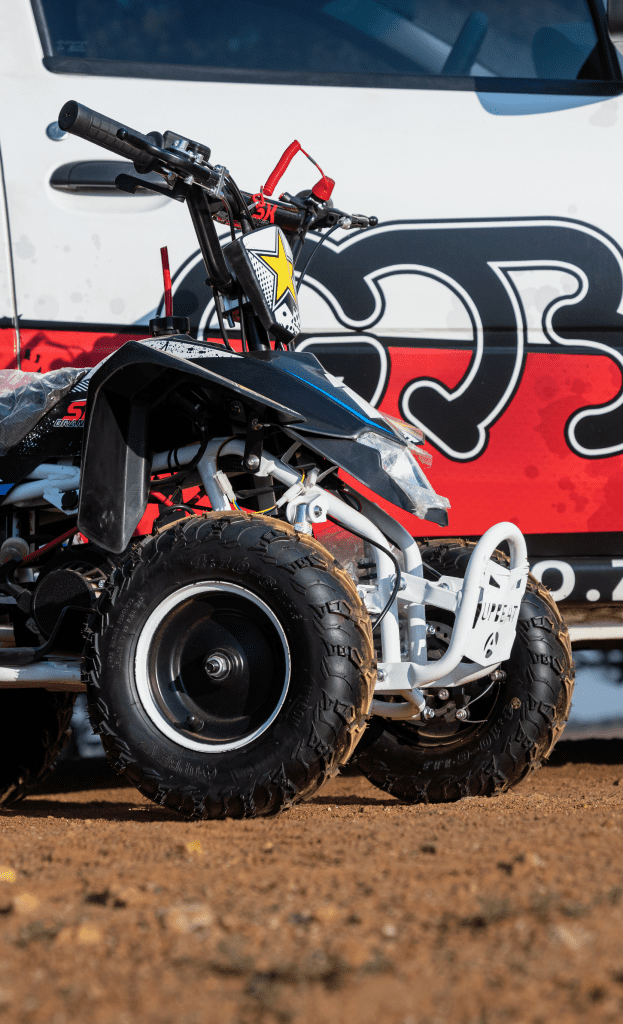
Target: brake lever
<point x="128" y="183"/>
<point x="294" y="201"/>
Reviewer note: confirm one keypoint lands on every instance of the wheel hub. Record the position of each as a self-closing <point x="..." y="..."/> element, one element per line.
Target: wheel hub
<point x="224" y="666"/>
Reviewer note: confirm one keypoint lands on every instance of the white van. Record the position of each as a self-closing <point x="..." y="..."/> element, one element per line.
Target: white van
<point x="486" y="307"/>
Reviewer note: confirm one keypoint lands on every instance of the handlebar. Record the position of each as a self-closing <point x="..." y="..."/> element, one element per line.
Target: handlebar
<point x="147" y="153"/>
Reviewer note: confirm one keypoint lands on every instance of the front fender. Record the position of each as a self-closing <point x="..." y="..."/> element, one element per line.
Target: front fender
<point x="117" y="453"/>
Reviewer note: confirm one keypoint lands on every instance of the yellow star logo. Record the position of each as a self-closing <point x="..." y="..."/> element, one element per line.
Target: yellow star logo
<point x="282" y="267"/>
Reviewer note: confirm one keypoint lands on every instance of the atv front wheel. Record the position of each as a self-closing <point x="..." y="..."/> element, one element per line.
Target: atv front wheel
<point x="516" y="718"/>
<point x="230" y="666"/>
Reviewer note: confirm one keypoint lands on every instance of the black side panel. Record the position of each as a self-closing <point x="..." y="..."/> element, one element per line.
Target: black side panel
<point x="115" y="476"/>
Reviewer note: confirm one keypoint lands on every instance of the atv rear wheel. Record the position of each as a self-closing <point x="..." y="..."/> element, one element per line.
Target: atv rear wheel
<point x="516" y="720"/>
<point x="229" y="666"/>
<point x="34" y="728"/>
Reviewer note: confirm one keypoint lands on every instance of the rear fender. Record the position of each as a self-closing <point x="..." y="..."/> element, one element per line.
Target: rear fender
<point x="117" y="452"/>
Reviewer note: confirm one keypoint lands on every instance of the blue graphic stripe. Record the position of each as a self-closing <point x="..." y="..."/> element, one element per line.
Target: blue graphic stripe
<point x="378" y="424"/>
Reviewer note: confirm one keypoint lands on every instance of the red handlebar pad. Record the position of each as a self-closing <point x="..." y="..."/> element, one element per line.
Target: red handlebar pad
<point x="281" y="168"/>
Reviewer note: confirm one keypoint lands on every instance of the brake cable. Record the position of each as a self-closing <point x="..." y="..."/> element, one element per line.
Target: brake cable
<point x="312" y="254"/>
<point x="315" y="250"/>
<point x="230" y="217"/>
<point x="242" y="203"/>
<point x="221" y="322"/>
<point x="479" y="721"/>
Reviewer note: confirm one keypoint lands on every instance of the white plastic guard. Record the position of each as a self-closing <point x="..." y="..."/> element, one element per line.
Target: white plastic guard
<point x="493" y="633"/>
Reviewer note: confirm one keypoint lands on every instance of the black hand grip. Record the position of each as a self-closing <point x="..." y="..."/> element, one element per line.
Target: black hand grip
<point x="79" y="120"/>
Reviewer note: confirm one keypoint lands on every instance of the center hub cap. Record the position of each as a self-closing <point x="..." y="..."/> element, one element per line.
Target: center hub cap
<point x="222" y="666"/>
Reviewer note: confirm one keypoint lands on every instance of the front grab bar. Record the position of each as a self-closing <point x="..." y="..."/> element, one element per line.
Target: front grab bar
<point x="423" y="675"/>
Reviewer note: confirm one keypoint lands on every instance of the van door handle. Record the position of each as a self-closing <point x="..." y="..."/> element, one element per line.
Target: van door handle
<point x="97" y="178"/>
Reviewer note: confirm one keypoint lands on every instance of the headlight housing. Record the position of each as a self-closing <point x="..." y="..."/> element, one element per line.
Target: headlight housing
<point x="411" y="435"/>
<point x="401" y="466"/>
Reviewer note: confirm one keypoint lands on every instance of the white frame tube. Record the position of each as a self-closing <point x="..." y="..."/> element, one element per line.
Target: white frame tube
<point x="48" y="674"/>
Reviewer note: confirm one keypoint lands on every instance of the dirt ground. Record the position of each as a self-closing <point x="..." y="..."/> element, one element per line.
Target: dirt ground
<point x="353" y="907"/>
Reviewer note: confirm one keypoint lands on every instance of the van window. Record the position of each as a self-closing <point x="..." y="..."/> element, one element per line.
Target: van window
<point x="539" y="39"/>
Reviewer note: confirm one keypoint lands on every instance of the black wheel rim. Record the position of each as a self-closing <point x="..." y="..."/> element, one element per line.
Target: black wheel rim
<point x="212" y="666"/>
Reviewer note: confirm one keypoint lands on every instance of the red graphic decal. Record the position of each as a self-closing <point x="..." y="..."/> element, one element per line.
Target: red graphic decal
<point x="76" y="410"/>
<point x="44" y="350"/>
<point x="527" y="474"/>
<point x="153" y="511"/>
<point x="263" y="211"/>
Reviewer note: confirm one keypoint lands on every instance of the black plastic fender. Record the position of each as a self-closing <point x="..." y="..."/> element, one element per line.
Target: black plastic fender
<point x="117" y="454"/>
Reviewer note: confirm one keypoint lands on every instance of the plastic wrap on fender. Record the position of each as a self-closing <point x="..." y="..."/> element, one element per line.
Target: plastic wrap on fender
<point x="400" y="465"/>
<point x="26" y="397"/>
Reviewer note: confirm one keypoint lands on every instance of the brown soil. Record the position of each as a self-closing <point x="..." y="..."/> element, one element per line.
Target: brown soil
<point x="352" y="908"/>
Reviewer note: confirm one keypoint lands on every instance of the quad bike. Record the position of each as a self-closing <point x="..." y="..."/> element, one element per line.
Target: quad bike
<point x="231" y="663"/>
